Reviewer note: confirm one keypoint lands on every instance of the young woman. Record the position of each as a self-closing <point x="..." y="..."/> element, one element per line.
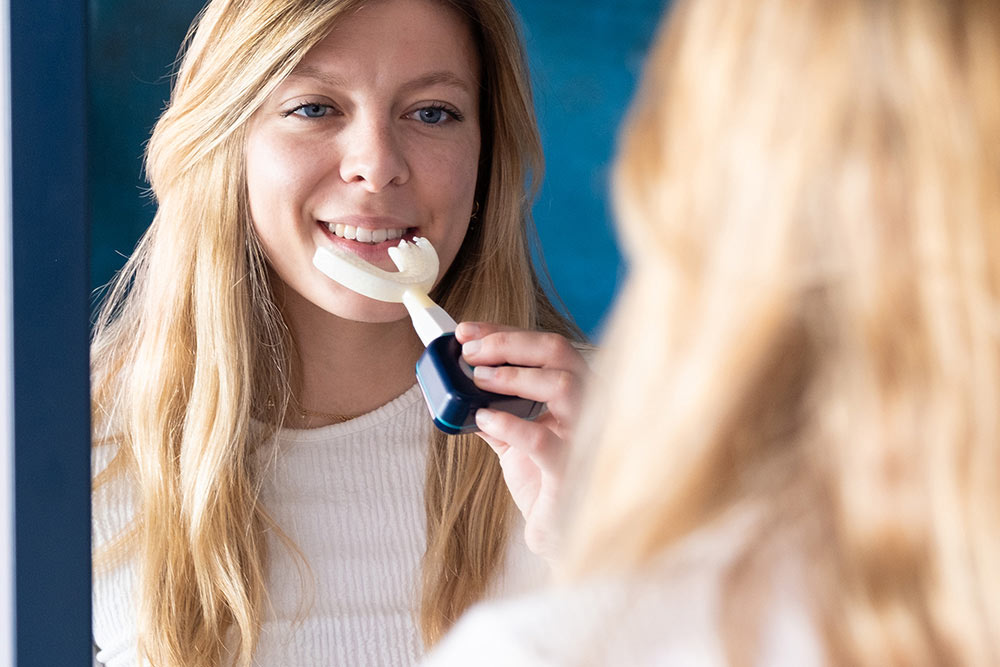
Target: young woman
<point x="268" y="485"/>
<point x="798" y="456"/>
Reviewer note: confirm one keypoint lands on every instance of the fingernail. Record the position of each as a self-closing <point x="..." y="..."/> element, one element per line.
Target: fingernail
<point x="469" y="329"/>
<point x="471" y="347"/>
<point x="484" y="372"/>
<point x="483" y="417"/>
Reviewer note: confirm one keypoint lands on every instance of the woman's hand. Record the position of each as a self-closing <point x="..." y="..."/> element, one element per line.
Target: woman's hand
<point x="542" y="367"/>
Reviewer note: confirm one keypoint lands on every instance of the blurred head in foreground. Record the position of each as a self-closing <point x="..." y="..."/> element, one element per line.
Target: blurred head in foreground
<point x="809" y="197"/>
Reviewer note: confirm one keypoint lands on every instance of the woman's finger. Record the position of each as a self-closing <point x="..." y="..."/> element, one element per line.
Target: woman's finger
<point x="468" y="330"/>
<point x="560" y="390"/>
<point x="498" y="446"/>
<point x="497" y="346"/>
<point x="530" y="438"/>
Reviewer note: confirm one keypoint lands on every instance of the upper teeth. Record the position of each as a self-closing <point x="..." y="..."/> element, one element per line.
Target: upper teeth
<point x="363" y="234"/>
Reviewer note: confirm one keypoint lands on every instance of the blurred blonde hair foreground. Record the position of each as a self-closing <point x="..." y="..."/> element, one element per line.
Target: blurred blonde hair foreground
<point x="809" y="194"/>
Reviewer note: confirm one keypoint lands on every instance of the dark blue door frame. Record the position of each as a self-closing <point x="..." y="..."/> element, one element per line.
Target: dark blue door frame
<point x="51" y="412"/>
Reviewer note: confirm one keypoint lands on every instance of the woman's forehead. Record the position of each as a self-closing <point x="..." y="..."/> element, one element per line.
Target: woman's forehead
<point x="396" y="40"/>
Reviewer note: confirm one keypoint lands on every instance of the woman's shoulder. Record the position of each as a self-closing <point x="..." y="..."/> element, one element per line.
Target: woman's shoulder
<point x="596" y="622"/>
<point x="112" y="494"/>
<point x="667" y="613"/>
<point x="664" y="615"/>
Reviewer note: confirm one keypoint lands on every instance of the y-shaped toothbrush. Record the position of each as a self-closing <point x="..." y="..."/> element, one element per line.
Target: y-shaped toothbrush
<point x="418" y="268"/>
<point x="444" y="377"/>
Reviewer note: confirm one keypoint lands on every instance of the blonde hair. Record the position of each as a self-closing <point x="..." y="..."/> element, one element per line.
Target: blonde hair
<point x="190" y="345"/>
<point x="809" y="194"/>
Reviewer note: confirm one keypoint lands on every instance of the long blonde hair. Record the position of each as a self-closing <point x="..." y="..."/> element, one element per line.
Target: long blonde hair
<point x="190" y="345"/>
<point x="809" y="194"/>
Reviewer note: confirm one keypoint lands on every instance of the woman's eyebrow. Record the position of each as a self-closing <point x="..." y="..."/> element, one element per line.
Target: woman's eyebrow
<point x="311" y="72"/>
<point x="437" y="78"/>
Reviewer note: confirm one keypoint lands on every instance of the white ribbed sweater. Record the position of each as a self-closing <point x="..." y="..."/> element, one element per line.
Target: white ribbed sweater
<point x="350" y="496"/>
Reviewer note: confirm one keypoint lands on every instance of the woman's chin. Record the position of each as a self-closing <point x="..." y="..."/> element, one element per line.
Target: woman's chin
<point x="357" y="308"/>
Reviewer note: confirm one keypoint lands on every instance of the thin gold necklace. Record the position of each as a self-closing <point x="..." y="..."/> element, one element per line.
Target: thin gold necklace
<point x="326" y="416"/>
<point x="305" y="413"/>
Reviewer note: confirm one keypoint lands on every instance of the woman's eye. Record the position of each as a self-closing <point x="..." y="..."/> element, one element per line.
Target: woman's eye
<point x="431" y="115"/>
<point x="311" y="110"/>
<point x="435" y="115"/>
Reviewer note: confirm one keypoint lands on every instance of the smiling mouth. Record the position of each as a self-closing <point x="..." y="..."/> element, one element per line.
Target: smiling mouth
<point x="365" y="235"/>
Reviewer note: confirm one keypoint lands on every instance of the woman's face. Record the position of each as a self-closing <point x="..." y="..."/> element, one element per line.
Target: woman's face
<point x="374" y="136"/>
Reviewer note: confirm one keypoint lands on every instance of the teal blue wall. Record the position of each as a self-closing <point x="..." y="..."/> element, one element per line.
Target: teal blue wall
<point x="131" y="48"/>
<point x="585" y="57"/>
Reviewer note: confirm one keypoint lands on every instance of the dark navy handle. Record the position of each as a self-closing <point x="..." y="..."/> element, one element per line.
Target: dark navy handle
<point x="452" y="396"/>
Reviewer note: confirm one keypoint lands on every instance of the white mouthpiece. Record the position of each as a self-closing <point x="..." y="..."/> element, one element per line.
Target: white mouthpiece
<point x="417" y="263"/>
<point x="418" y="267"/>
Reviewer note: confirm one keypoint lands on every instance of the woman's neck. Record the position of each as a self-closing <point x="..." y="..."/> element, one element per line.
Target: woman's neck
<point x="345" y="368"/>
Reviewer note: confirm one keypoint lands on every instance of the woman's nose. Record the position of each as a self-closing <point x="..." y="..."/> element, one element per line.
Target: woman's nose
<point x="372" y="156"/>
